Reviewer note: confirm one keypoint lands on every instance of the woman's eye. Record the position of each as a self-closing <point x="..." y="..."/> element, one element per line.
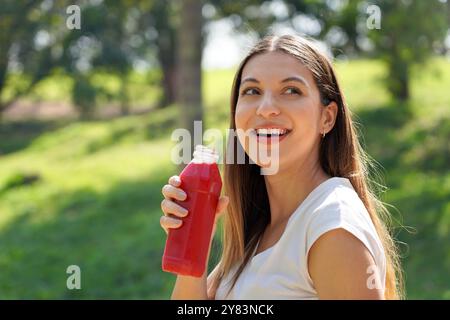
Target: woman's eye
<point x="246" y="92"/>
<point x="253" y="91"/>
<point x="293" y="90"/>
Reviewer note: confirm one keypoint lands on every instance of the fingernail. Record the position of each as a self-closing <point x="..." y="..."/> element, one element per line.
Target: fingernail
<point x="183" y="195"/>
<point x="185" y="212"/>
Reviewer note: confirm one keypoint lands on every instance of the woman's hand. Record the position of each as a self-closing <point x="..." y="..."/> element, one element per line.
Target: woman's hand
<point x="173" y="212"/>
<point x="186" y="287"/>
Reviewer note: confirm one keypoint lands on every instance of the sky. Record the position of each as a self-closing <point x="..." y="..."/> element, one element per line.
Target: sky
<point x="225" y="48"/>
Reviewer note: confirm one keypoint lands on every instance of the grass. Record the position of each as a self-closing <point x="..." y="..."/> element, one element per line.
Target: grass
<point x="141" y="88"/>
<point x="96" y="199"/>
<point x="88" y="193"/>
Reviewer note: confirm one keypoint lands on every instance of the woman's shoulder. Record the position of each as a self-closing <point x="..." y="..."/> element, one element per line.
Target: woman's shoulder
<point x="340" y="197"/>
<point x="340" y="207"/>
<point x="339" y="204"/>
<point x="333" y="201"/>
<point x="334" y="196"/>
<point x="333" y="205"/>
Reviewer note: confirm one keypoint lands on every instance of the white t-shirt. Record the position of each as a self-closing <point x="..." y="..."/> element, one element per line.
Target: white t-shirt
<point x="281" y="271"/>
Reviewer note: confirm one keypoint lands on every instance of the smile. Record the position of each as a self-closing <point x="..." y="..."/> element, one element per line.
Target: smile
<point x="271" y="135"/>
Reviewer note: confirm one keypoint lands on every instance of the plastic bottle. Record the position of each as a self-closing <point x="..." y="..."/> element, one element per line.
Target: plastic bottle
<point x="187" y="247"/>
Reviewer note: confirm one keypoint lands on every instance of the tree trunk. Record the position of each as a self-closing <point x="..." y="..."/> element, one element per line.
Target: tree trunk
<point x="403" y="81"/>
<point x="1" y="112"/>
<point x="166" y="42"/>
<point x="3" y="66"/>
<point x="167" y="60"/>
<point x="124" y="101"/>
<point x="399" y="79"/>
<point x="189" y="81"/>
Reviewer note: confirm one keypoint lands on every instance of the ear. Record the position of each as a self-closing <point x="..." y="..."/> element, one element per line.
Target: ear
<point x="329" y="114"/>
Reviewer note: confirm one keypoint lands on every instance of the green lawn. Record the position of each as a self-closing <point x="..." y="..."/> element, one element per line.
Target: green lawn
<point x="88" y="193"/>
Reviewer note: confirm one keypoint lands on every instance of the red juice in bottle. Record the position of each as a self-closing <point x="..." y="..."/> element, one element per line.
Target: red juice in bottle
<point x="187" y="247"/>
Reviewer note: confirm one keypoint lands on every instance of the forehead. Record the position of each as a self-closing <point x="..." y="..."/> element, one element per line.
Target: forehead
<point x="274" y="66"/>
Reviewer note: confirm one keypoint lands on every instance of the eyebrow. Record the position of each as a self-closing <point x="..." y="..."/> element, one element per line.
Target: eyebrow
<point x="293" y="78"/>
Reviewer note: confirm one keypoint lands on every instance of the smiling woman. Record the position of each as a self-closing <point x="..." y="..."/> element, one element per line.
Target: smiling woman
<point x="282" y="96"/>
<point x="313" y="229"/>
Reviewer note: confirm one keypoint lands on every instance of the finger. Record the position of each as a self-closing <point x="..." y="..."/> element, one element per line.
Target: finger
<point x="170" y="191"/>
<point x="222" y="205"/>
<point x="170" y="223"/>
<point x="170" y="207"/>
<point x="175" y="181"/>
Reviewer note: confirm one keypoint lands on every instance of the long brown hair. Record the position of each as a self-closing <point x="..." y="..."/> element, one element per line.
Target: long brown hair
<point x="340" y="155"/>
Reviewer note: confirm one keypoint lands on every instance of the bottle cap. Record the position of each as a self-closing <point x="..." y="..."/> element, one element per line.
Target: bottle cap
<point x="204" y="154"/>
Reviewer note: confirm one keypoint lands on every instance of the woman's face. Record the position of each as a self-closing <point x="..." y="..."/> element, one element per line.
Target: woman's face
<point x="279" y="108"/>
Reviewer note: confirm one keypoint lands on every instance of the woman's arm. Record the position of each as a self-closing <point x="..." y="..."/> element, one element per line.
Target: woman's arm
<point x="186" y="287"/>
<point x="341" y="267"/>
<point x="195" y="288"/>
<point x="190" y="288"/>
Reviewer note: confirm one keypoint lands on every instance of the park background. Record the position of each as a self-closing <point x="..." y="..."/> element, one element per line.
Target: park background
<point x="86" y="116"/>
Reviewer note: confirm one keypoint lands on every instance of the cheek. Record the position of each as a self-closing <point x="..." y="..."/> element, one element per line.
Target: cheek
<point x="242" y="116"/>
<point x="305" y="134"/>
<point x="306" y="118"/>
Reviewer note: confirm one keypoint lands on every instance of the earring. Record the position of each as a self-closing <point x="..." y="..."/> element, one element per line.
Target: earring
<point x="323" y="134"/>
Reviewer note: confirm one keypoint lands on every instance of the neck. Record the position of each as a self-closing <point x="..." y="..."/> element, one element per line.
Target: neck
<point x="288" y="188"/>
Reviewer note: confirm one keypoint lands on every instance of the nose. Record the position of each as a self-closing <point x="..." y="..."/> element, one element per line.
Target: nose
<point x="267" y="108"/>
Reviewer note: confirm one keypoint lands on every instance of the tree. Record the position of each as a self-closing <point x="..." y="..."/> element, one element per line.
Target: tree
<point x="129" y="30"/>
<point x="84" y="95"/>
<point x="165" y="26"/>
<point x="409" y="33"/>
<point x="29" y="32"/>
<point x="113" y="36"/>
<point x="189" y="49"/>
<point x="102" y="44"/>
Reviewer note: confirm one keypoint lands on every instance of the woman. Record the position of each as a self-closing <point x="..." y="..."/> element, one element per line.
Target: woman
<point x="313" y="229"/>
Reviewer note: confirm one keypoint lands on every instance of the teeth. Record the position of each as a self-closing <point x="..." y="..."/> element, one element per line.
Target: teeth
<point x="271" y="131"/>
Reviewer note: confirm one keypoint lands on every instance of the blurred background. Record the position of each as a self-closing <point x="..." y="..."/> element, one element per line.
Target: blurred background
<point x="90" y="92"/>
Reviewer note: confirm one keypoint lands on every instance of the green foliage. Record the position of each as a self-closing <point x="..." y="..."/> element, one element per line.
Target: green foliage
<point x="95" y="202"/>
<point x="22" y="24"/>
<point x="407" y="38"/>
<point x="35" y="41"/>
